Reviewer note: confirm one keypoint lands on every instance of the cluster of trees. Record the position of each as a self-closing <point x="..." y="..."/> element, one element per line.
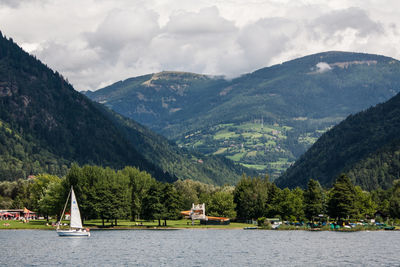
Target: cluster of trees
<point x="110" y="195"/>
<point x="256" y="197"/>
<point x="130" y="193"/>
<point x="21" y="157"/>
<point x="365" y="146"/>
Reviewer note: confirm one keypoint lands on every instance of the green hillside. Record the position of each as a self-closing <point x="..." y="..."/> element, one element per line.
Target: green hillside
<point x="178" y="161"/>
<point x="54" y="122"/>
<point x="45" y="126"/>
<point x="21" y="157"/>
<point x="264" y="120"/>
<point x="366" y="146"/>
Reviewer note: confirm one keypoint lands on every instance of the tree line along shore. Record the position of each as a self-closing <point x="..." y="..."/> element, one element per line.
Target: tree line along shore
<point x="132" y="198"/>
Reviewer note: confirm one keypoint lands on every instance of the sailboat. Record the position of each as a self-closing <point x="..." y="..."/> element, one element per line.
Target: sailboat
<point x="75" y="227"/>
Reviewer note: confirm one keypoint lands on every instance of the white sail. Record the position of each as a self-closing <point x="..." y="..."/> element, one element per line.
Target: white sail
<point x="76" y="221"/>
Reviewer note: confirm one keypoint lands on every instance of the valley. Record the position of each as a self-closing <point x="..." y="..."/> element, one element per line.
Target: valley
<point x="46" y="126"/>
<point x="253" y="144"/>
<point x="264" y="120"/>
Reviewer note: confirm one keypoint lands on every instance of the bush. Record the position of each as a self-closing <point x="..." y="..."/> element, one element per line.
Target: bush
<point x="261" y="221"/>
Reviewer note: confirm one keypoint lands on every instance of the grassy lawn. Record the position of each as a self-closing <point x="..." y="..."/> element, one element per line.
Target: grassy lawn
<point x="270" y="143"/>
<point x="255" y="166"/>
<point x="236" y="157"/>
<point x="220" y="151"/>
<point x="280" y="165"/>
<point x="126" y="224"/>
<point x="170" y="224"/>
<point x="247" y="135"/>
<point x="251" y="154"/>
<point x="225" y="135"/>
<point x="34" y="224"/>
<point x="122" y="224"/>
<point x="198" y="143"/>
<point x="307" y="139"/>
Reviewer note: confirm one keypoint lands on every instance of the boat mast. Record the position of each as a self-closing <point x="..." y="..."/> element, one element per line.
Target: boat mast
<point x="65" y="206"/>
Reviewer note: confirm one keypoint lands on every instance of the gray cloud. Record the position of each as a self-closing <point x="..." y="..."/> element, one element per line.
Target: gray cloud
<point x="195" y="41"/>
<point x="17" y="3"/>
<point x="121" y="28"/>
<point x="350" y="18"/>
<point x="10" y="3"/>
<point x="266" y="38"/>
<point x="99" y="42"/>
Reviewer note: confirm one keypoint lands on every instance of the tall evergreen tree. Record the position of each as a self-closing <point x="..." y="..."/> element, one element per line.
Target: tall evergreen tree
<point x="313" y="199"/>
<point x="342" y="198"/>
<point x="172" y="202"/>
<point x="365" y="207"/>
<point x="394" y="204"/>
<point x="152" y="206"/>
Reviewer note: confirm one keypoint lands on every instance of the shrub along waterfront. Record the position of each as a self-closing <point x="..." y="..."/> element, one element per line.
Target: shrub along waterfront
<point x="130" y="194"/>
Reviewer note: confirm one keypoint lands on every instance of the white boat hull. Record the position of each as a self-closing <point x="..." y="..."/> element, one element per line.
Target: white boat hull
<point x="73" y="233"/>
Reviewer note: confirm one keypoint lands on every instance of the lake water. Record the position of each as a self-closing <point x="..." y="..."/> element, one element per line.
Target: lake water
<point x="200" y="248"/>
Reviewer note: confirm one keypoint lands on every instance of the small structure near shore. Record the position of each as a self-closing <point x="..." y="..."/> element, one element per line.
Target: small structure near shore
<point x="198" y="212"/>
<point x="17" y="214"/>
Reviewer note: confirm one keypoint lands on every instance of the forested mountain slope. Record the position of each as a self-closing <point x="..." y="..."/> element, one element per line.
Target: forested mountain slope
<point x="366" y="146"/>
<point x="264" y="120"/>
<point x="178" y="161"/>
<point x="45" y="125"/>
<point x="54" y="122"/>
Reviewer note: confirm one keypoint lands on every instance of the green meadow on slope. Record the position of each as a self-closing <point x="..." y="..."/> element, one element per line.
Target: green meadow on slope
<point x="265" y="119"/>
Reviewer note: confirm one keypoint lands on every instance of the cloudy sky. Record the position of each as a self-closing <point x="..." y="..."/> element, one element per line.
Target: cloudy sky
<point x="97" y="42"/>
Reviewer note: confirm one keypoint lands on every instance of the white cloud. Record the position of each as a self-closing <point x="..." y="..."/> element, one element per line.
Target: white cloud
<point x="95" y="42"/>
<point x="354" y="18"/>
<point x="322" y="67"/>
<point x="206" y="21"/>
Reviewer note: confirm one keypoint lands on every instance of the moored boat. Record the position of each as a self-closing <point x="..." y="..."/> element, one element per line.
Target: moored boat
<point x="75" y="227"/>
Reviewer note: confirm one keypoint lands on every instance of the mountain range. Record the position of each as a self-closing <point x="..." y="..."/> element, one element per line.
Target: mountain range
<point x="263" y="120"/>
<point x="45" y="126"/>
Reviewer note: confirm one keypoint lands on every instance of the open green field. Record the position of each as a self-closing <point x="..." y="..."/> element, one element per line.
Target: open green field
<point x="36" y="224"/>
<point x="225" y="135"/>
<point x="122" y="224"/>
<point x="236" y="157"/>
<point x="220" y="151"/>
<point x="253" y="144"/>
<point x="255" y="166"/>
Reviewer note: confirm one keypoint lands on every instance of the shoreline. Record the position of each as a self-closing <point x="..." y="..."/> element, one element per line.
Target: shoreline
<point x="206" y="228"/>
<point x="173" y="225"/>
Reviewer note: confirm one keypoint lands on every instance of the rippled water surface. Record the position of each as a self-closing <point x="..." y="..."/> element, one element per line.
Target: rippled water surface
<point x="200" y="248"/>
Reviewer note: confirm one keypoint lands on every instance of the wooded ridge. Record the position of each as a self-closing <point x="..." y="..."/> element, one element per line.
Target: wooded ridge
<point x="45" y="126"/>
